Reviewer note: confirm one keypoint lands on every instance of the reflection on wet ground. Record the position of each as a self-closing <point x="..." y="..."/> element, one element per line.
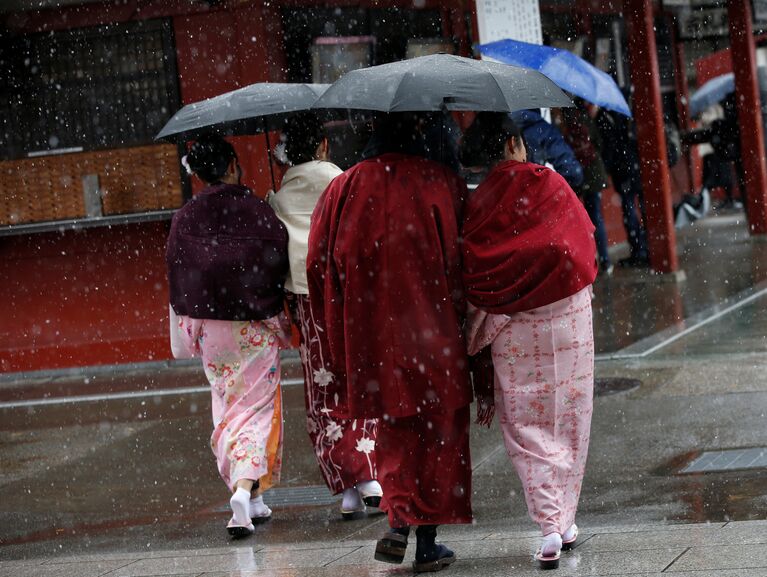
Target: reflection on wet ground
<point x="719" y="260"/>
<point x="136" y="474"/>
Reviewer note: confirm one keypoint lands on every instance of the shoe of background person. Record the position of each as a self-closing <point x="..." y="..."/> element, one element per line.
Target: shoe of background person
<point x="606" y="269"/>
<point x="634" y="262"/>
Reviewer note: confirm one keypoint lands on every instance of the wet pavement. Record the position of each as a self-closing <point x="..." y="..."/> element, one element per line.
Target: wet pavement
<point x="96" y="483"/>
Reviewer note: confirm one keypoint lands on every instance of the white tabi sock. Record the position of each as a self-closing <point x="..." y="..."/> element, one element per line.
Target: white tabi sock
<point x="352" y="501"/>
<point x="369" y="488"/>
<point x="551" y="544"/>
<point x="258" y="508"/>
<point x="570" y="533"/>
<point x="240" y="503"/>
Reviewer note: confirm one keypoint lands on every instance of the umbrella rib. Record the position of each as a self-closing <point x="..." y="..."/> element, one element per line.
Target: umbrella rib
<point x="399" y="85"/>
<point x="499" y="88"/>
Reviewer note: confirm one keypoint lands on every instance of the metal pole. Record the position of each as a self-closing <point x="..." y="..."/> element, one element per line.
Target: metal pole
<point x="651" y="137"/>
<point x="743" y="52"/>
<point x="269" y="154"/>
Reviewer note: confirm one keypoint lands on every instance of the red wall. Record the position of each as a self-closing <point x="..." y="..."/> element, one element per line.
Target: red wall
<point x="99" y="296"/>
<point x="83" y="298"/>
<point x="222" y="51"/>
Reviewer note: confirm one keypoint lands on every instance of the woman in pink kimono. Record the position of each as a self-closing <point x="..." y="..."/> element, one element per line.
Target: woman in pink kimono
<point x="227" y="260"/>
<point x="344" y="448"/>
<point x="529" y="262"/>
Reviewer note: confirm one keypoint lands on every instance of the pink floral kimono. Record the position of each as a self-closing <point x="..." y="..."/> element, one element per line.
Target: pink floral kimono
<point x="241" y="361"/>
<point x="544" y="379"/>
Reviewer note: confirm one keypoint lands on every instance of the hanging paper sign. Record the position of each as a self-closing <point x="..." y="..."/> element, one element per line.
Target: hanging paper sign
<point x="518" y="20"/>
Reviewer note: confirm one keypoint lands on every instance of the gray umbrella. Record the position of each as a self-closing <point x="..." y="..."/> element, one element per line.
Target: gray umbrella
<point x="443" y="81"/>
<point x="247" y="110"/>
<point x="242" y="111"/>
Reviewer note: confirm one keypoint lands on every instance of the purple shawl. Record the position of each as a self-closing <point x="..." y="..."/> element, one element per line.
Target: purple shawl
<point x="227" y="256"/>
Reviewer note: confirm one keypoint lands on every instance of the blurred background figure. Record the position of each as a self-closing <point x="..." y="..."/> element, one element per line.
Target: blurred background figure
<point x="545" y="145"/>
<point x="621" y="159"/>
<point x="725" y="140"/>
<point x="581" y="133"/>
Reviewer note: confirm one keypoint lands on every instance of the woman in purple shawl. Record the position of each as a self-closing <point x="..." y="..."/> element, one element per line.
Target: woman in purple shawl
<point x="227" y="258"/>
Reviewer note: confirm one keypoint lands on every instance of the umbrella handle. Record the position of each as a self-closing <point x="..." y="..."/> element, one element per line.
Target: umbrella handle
<point x="269" y="154"/>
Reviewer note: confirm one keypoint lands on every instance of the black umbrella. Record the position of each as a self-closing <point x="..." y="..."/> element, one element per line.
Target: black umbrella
<point x="443" y="81"/>
<point x="242" y="111"/>
<point x="248" y="110"/>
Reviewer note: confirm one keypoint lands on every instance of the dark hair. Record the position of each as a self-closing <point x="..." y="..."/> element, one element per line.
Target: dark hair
<point x="303" y="133"/>
<point x="209" y="157"/>
<point x="398" y="131"/>
<point x="484" y="141"/>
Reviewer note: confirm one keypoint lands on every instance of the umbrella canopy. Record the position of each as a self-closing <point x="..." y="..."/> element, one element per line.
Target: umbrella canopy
<point x="442" y="81"/>
<point x="242" y="111"/>
<point x="712" y="92"/>
<point x="567" y="70"/>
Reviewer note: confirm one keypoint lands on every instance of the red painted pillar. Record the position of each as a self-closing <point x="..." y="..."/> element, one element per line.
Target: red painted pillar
<point x="749" y="112"/>
<point x="682" y="105"/>
<point x="648" y="113"/>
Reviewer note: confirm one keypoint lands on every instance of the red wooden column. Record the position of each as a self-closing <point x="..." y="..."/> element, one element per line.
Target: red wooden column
<point x="648" y="113"/>
<point x="743" y="53"/>
<point x="683" y="107"/>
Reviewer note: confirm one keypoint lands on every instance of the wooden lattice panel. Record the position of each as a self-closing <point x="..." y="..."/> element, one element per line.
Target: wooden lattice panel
<point x="48" y="188"/>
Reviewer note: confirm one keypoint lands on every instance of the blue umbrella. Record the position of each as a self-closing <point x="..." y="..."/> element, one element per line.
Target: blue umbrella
<point x="712" y="92"/>
<point x="564" y="68"/>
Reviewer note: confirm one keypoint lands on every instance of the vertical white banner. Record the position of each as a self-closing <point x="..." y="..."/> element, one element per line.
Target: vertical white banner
<point x="515" y="19"/>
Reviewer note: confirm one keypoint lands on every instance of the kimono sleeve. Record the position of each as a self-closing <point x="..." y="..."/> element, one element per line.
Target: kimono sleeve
<point x="325" y="291"/>
<point x="184" y="335"/>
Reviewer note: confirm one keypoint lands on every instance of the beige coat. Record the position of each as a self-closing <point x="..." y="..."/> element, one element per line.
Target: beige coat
<point x="301" y="188"/>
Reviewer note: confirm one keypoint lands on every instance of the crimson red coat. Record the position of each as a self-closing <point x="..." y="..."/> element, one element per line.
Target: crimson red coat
<point x="384" y="274"/>
<point x="528" y="241"/>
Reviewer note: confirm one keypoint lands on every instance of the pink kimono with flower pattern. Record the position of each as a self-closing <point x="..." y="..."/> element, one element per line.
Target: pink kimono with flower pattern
<point x="543" y="360"/>
<point x="242" y="364"/>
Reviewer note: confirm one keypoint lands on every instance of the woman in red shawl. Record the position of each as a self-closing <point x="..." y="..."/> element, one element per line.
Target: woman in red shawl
<point x="529" y="262"/>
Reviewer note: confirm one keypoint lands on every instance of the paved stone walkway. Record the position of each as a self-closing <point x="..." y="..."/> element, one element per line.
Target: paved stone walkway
<point x="733" y="549"/>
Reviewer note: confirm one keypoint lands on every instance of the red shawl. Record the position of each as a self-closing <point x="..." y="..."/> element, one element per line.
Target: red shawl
<point x="528" y="241"/>
<point x="384" y="272"/>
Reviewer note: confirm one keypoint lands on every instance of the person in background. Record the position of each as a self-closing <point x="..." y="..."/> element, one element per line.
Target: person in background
<point x="344" y="448"/>
<point x="227" y="257"/>
<point x="384" y="274"/>
<point x="528" y="265"/>
<point x="582" y="134"/>
<point x="621" y="159"/>
<point x="725" y="140"/>
<point x="545" y="145"/>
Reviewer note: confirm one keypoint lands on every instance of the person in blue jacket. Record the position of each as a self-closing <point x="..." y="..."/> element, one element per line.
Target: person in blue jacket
<point x="545" y="144"/>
